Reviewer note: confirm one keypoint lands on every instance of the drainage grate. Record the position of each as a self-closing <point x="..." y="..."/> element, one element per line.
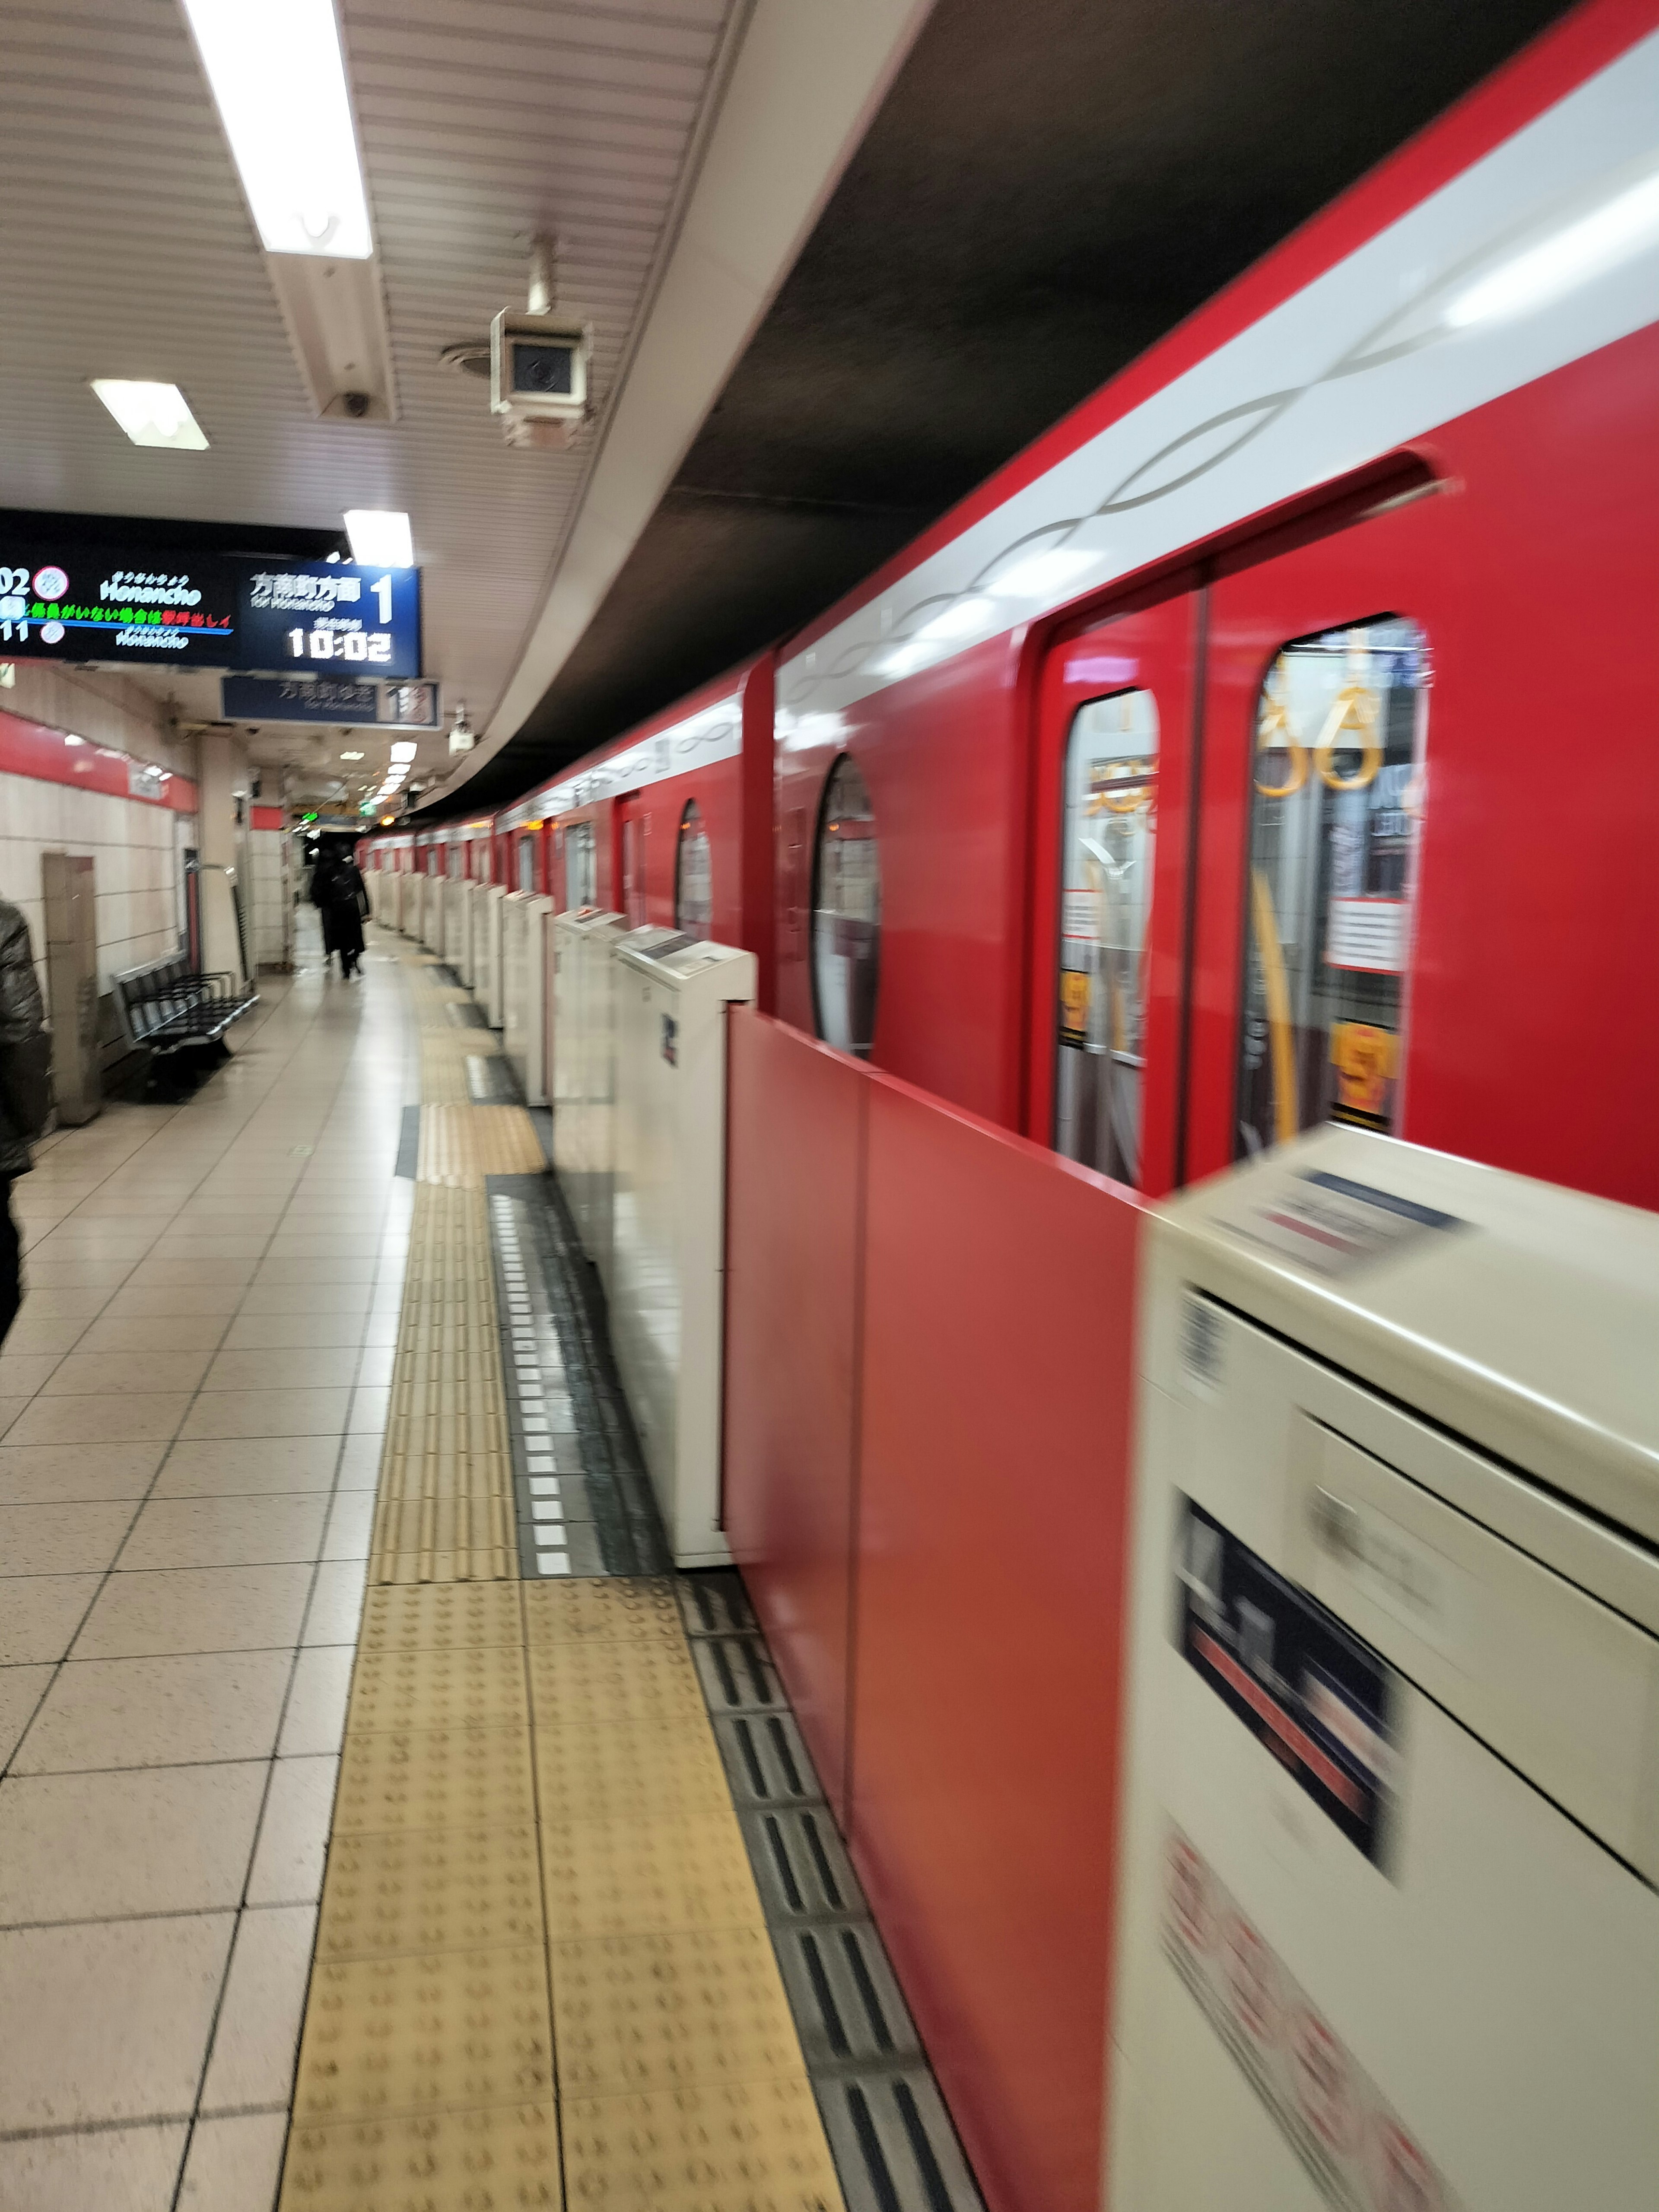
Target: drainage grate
<point x="895" y="2147"/>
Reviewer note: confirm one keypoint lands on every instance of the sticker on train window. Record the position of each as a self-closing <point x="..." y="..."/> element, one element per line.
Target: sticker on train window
<point x="1336" y="808"/>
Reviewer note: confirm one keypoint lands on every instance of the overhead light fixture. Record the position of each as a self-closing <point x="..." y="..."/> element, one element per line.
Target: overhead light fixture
<point x="70" y="738"/>
<point x="405" y="749"/>
<point x="278" y="76"/>
<point x="1616" y="231"/>
<point x="151" y="414"/>
<point x="379" y="538"/>
<point x="346" y="757"/>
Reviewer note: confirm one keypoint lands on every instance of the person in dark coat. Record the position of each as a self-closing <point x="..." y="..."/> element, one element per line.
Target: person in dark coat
<point x="24" y="1092"/>
<point x="341" y="899"/>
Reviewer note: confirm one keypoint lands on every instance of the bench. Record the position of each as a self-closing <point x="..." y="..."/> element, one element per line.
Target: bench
<point x="167" y="1005"/>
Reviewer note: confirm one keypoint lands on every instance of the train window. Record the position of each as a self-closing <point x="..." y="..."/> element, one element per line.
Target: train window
<point x="581" y="877"/>
<point x="693" y="876"/>
<point x="452" y="860"/>
<point x="527" y="862"/>
<point x="846" y="913"/>
<point x="1335" y="808"/>
<point x="1111" y="816"/>
<point x="633" y="870"/>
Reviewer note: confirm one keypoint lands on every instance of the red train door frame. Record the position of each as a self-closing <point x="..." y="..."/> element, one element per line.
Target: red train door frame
<point x="1392" y="564"/>
<point x="1151" y="644"/>
<point x="631" y="817"/>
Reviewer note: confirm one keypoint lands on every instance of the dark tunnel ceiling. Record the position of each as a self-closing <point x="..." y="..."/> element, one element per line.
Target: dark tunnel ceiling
<point x="1042" y="194"/>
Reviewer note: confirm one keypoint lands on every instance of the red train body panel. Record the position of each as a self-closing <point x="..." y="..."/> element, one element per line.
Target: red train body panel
<point x="1338" y="466"/>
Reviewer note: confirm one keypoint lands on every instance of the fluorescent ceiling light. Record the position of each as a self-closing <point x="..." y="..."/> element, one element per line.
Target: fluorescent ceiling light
<point x="278" y="76"/>
<point x="379" y="538"/>
<point x="345" y="757"/>
<point x="1597" y="242"/>
<point x="405" y="749"/>
<point x="151" y="414"/>
<point x="1041" y="572"/>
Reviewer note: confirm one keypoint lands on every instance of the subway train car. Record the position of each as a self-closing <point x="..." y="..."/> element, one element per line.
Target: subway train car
<point x="1271" y="742"/>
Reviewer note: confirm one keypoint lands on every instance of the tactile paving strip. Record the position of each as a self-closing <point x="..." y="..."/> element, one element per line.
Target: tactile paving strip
<point x="462" y="1145"/>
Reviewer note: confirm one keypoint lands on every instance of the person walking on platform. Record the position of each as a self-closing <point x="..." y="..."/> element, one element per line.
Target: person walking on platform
<point x="341" y="899"/>
<point x="25" y="1090"/>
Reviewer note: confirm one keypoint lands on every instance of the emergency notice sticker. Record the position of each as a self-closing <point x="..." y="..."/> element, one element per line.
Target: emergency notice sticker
<point x="1356" y="2149"/>
<point x="1323" y="1703"/>
<point x="1333" y="1225"/>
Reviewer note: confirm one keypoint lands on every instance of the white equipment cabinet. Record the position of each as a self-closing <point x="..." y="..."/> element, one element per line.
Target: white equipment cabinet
<point x="581" y="1067"/>
<point x="1388" y="1933"/>
<point x="487" y="952"/>
<point x="392" y="901"/>
<point x="523" y="944"/>
<point x="454" y="942"/>
<point x="668" y="1229"/>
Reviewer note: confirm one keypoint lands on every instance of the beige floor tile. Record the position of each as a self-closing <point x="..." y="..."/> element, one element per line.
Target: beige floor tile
<point x="21" y="1373"/>
<point x="51" y="1272"/>
<point x="107" y="2022"/>
<point x="127" y="1417"/>
<point x="359" y="1462"/>
<point x="224" y="1532"/>
<point x="33" y="1334"/>
<point x="21" y="1689"/>
<point x="143" y="1332"/>
<point x="369" y="1410"/>
<point x="287" y="1861"/>
<point x="157" y="1713"/>
<point x="60" y="1539"/>
<point x="86" y="1372"/>
<point x="163" y="1275"/>
<point x="229" y="1467"/>
<point x="268" y="1413"/>
<point x="312" y="1367"/>
<point x="342" y="1271"/>
<point x="40" y="1615"/>
<point x="350" y="1522"/>
<point x="61" y="1301"/>
<point x="167" y="1610"/>
<point x="172" y="1301"/>
<point x="376" y="1361"/>
<point x="337" y="1602"/>
<point x="353" y="1298"/>
<point x="183" y="1247"/>
<point x="294" y="1332"/>
<point x="11" y="1410"/>
<point x="315" y="1719"/>
<point x="106" y="1846"/>
<point x="113" y="2169"/>
<point x="234" y="2164"/>
<point x="257" y="2034"/>
<point x="75" y="1474"/>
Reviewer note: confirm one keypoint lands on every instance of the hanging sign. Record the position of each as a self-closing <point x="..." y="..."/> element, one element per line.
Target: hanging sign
<point x="347" y="702"/>
<point x="105" y="603"/>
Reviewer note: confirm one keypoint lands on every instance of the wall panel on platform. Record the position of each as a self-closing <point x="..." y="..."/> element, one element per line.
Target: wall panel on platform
<point x="795" y="1148"/>
<point x="992" y="1503"/>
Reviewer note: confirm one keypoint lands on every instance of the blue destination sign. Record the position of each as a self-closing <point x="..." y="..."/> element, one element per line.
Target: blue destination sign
<point x="335" y="699"/>
<point x="208" y="610"/>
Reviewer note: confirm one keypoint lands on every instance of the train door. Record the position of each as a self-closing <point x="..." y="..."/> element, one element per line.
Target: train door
<point x="633" y="828"/>
<point x="1112" y="815"/>
<point x="1313" y="794"/>
<point x="525" y="880"/>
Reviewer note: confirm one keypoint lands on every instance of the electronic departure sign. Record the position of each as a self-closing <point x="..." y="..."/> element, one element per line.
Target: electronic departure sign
<point x="208" y="611"/>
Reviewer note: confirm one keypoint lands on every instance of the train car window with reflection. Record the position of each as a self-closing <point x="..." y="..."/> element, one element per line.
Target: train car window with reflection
<point x="693" y="876"/>
<point x="846" y="913"/>
<point x="1336" y="807"/>
<point x="1110" y="826"/>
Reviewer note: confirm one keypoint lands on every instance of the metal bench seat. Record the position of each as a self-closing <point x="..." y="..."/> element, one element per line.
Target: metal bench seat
<point x="166" y="1004"/>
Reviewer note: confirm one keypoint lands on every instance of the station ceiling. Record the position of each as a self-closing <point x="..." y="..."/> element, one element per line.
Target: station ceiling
<point x="1039" y="196"/>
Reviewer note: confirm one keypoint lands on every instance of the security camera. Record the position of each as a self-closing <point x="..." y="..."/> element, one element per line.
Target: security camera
<point x="539" y="376"/>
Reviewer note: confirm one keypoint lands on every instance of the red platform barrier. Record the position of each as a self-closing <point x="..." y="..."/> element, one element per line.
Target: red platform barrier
<point x="985" y="1499"/>
<point x="796" y="1114"/>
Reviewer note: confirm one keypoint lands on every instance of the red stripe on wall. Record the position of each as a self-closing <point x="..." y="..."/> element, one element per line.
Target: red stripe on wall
<point x="58" y="757"/>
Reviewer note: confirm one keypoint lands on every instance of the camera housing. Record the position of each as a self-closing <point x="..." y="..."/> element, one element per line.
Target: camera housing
<point x="539" y="376"/>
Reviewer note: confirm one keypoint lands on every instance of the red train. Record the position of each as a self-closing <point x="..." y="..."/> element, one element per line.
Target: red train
<point x="1274" y="739"/>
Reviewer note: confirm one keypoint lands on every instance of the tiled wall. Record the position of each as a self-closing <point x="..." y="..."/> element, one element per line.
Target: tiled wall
<point x="270" y="862"/>
<point x="136" y="851"/>
<point x="137" y="846"/>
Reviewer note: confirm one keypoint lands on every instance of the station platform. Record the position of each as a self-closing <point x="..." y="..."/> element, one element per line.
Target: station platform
<point x="368" y="1823"/>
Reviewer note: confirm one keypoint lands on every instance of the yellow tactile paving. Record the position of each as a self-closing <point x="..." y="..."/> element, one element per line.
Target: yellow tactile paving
<point x="462" y="1145"/>
<point x="543" y="1975"/>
